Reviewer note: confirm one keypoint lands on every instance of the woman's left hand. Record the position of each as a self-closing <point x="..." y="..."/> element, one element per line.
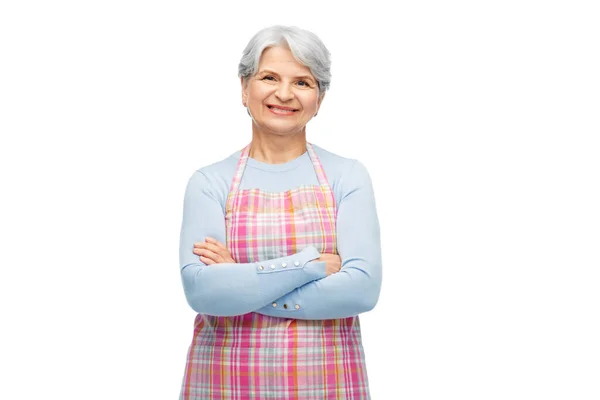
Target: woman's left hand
<point x="212" y="252"/>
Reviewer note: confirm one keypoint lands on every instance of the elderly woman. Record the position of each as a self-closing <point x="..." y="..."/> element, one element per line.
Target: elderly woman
<point x="280" y="245"/>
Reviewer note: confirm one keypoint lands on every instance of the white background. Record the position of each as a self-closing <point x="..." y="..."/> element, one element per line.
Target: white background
<point x="477" y="120"/>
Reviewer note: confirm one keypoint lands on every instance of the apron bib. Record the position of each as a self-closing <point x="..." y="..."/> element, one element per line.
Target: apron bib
<point x="255" y="356"/>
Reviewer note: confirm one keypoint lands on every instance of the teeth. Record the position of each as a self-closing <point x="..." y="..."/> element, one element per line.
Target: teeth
<point x="280" y="109"/>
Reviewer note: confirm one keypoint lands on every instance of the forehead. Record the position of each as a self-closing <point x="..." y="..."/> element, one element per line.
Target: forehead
<point x="281" y="60"/>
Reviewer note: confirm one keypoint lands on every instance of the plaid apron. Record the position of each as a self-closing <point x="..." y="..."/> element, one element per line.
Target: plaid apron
<point x="254" y="356"/>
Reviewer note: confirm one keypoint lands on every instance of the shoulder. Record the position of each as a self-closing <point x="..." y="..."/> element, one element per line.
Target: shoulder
<point x="221" y="171"/>
<point x="214" y="179"/>
<point x="334" y="165"/>
<point x="344" y="174"/>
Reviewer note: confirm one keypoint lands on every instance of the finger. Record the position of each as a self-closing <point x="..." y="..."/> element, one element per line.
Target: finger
<point x="216" y="257"/>
<point x="201" y="252"/>
<point x="207" y="246"/>
<point x="206" y="260"/>
<point x="212" y="247"/>
<point x="221" y="251"/>
<point x="207" y="242"/>
<point x="215" y="242"/>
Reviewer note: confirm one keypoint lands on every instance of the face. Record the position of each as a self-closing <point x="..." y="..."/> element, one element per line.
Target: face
<point x="281" y="82"/>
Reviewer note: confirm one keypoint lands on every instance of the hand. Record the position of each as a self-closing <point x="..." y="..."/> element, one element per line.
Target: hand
<point x="212" y="252"/>
<point x="333" y="263"/>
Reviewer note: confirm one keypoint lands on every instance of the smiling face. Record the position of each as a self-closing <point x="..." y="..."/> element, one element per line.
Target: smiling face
<point x="283" y="95"/>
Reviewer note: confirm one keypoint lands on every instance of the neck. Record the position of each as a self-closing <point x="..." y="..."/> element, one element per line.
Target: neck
<point x="277" y="149"/>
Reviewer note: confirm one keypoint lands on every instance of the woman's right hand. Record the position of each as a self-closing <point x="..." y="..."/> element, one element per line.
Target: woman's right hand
<point x="333" y="263"/>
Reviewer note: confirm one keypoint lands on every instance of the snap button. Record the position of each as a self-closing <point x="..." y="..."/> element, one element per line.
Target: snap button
<point x="274" y="304"/>
<point x="285" y="306"/>
<point x="272" y="266"/>
<point x="297" y="263"/>
<point x="261" y="267"/>
<point x="283" y="265"/>
<point x="297" y="307"/>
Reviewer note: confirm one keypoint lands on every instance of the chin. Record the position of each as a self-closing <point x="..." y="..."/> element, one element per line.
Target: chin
<point x="283" y="129"/>
<point x="281" y="132"/>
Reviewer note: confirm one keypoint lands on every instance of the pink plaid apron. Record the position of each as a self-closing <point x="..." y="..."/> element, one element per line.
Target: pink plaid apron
<point x="254" y="356"/>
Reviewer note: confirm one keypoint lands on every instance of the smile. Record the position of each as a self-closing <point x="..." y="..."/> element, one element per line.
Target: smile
<point x="280" y="111"/>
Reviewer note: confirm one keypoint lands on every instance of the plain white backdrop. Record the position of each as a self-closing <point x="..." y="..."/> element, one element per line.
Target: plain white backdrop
<point x="478" y="122"/>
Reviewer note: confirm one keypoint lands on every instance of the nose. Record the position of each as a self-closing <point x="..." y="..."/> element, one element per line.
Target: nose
<point x="283" y="92"/>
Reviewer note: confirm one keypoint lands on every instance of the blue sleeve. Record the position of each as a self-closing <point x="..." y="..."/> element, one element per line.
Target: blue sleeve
<point x="228" y="289"/>
<point x="355" y="288"/>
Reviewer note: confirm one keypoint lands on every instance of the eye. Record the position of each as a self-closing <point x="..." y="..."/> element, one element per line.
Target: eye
<point x="304" y="82"/>
<point x="269" y="78"/>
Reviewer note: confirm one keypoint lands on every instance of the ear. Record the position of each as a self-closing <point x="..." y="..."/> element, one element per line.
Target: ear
<point x="319" y="101"/>
<point x="244" y="92"/>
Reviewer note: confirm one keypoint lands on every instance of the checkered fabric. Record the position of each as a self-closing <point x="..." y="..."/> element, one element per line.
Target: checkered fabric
<point x="254" y="356"/>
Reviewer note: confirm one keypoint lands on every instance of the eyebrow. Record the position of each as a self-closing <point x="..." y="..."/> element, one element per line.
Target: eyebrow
<point x="275" y="73"/>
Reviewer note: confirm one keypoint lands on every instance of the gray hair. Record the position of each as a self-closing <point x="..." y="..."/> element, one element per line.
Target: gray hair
<point x="306" y="47"/>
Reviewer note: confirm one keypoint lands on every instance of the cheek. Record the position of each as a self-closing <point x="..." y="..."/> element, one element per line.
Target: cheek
<point x="257" y="93"/>
<point x="309" y="103"/>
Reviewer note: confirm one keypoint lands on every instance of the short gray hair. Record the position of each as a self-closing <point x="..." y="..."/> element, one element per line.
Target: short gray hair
<point x="306" y="47"/>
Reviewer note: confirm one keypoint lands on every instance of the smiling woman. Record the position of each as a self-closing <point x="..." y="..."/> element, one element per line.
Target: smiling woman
<point x="280" y="247"/>
<point x="281" y="88"/>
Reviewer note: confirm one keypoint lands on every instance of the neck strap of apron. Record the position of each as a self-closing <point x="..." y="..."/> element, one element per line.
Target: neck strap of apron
<point x="241" y="166"/>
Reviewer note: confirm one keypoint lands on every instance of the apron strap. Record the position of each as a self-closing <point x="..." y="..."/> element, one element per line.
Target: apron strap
<point x="241" y="166"/>
<point x="321" y="177"/>
<point x="239" y="171"/>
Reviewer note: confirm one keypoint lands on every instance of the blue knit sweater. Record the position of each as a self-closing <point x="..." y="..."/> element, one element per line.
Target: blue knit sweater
<point x="301" y="291"/>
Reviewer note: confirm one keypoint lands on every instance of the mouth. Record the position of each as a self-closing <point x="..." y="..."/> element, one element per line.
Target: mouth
<point x="281" y="111"/>
<point x="280" y="108"/>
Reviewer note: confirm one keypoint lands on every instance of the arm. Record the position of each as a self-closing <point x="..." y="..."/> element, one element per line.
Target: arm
<point x="355" y="288"/>
<point x="228" y="289"/>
